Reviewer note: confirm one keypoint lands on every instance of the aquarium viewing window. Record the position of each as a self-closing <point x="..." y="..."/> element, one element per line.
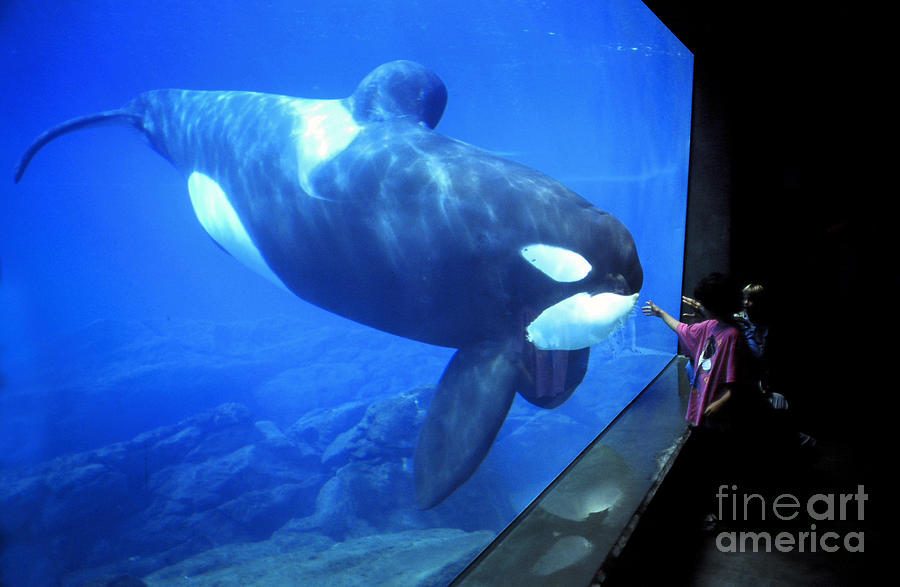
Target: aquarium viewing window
<point x="166" y="413"/>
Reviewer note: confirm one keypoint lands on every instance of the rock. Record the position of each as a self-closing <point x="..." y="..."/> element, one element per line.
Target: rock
<point x="371" y="489"/>
<point x="414" y="558"/>
<point x="320" y="427"/>
<point x="335" y="485"/>
<point x="212" y="479"/>
<point x="387" y="432"/>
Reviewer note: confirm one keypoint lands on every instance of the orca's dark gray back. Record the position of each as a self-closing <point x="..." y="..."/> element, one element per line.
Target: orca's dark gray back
<point x="213" y="130"/>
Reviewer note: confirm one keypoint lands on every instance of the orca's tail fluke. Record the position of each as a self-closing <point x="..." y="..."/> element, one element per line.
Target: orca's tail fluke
<point x="98" y="119"/>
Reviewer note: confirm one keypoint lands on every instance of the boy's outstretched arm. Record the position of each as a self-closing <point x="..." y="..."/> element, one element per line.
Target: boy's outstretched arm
<point x="651" y="309"/>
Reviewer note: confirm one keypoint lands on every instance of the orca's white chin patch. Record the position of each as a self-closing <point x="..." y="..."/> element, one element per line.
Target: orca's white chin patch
<point x="580" y="321"/>
<point x="220" y="220"/>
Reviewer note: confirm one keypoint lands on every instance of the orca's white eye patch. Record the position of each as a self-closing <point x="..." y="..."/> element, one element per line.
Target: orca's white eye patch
<point x="556" y="262"/>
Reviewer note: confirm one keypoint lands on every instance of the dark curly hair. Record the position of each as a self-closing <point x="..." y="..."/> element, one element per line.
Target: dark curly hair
<point x="719" y="295"/>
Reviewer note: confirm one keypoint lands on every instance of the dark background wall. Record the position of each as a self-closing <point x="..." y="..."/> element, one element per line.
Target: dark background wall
<point x="781" y="192"/>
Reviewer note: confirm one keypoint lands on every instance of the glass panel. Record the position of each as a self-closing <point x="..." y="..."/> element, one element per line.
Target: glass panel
<point x="167" y="413"/>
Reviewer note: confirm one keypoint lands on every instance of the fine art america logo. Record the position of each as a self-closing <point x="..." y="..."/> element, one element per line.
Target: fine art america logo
<point x="821" y="510"/>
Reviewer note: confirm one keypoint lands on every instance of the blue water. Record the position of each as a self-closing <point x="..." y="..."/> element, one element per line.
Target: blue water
<point x="119" y="316"/>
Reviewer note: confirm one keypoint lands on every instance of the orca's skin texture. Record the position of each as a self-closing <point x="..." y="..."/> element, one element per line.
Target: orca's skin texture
<point x="358" y="206"/>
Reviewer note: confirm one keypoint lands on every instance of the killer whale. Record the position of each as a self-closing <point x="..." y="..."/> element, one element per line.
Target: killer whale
<point x="358" y="206"/>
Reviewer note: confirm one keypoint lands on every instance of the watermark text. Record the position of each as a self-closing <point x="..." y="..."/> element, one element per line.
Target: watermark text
<point x="737" y="506"/>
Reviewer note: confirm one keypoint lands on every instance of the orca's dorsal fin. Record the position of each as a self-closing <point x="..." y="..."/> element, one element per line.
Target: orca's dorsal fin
<point x="400" y="89"/>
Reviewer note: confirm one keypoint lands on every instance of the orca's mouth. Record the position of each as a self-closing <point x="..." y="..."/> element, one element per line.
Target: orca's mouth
<point x="581" y="320"/>
<point x="617" y="283"/>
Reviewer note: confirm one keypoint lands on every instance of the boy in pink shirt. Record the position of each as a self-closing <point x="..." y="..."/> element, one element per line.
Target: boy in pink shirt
<point x="712" y="346"/>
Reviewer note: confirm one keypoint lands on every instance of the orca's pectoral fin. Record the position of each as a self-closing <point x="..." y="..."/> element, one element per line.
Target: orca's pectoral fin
<point x="471" y="403"/>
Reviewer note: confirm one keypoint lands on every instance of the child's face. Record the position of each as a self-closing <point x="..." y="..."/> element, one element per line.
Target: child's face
<point x="747" y="302"/>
